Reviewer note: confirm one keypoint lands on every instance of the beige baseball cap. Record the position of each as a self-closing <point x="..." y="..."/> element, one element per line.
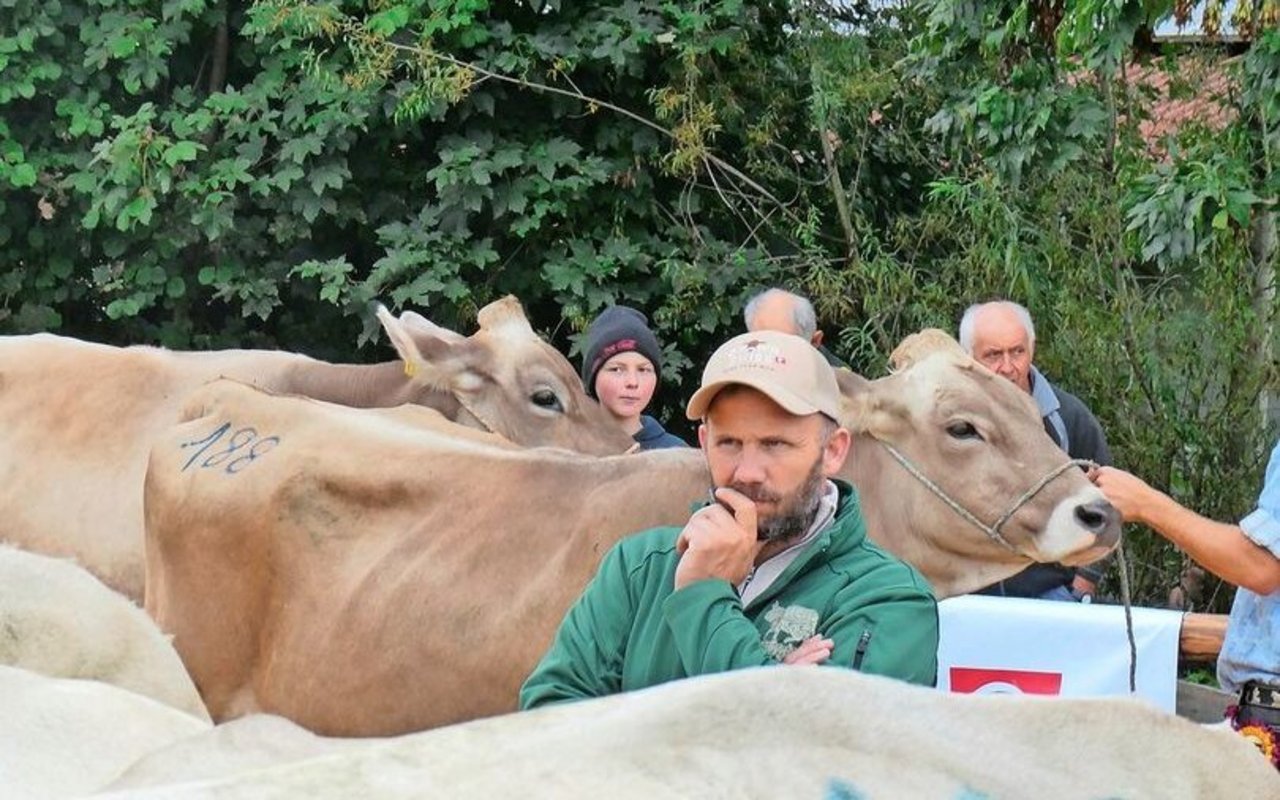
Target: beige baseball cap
<point x="786" y="368"/>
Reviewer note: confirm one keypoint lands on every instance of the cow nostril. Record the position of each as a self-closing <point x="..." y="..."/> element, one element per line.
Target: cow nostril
<point x="1094" y="516"/>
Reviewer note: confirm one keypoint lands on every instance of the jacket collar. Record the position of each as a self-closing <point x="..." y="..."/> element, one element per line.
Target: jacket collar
<point x="650" y="429"/>
<point x="842" y="534"/>
<point x="1042" y="392"/>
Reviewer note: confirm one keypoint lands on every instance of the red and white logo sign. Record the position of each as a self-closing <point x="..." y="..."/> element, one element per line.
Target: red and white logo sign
<point x="975" y="680"/>
<point x="1012" y="645"/>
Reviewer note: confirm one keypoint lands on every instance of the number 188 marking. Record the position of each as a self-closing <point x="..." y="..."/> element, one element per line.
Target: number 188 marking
<point x="237" y="452"/>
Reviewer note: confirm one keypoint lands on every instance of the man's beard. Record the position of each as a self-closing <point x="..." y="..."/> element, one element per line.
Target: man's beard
<point x="796" y="511"/>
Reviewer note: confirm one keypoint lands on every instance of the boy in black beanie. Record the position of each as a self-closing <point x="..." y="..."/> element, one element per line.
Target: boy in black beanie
<point x="620" y="366"/>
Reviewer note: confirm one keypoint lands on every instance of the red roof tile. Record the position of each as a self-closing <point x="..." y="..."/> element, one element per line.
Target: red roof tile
<point x="1195" y="90"/>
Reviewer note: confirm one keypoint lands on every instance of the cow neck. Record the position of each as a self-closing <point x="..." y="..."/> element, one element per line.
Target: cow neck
<point x="992" y="531"/>
<point x="355" y="385"/>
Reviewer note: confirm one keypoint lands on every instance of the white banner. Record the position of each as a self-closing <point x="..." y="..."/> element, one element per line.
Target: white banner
<point x="1009" y="645"/>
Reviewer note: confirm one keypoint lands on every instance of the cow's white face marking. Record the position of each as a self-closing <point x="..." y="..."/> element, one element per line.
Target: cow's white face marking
<point x="1064" y="536"/>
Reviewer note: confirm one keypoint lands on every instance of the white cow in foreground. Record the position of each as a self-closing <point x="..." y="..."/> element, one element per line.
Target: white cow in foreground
<point x="247" y="743"/>
<point x="56" y="619"/>
<point x="62" y="738"/>
<point x="781" y="732"/>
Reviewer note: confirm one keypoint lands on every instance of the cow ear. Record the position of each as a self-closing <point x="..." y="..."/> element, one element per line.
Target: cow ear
<point x="505" y="317"/>
<point x="430" y="338"/>
<point x="920" y="345"/>
<point x="417" y="323"/>
<point x="866" y="407"/>
<point x="855" y="395"/>
<point x="426" y="349"/>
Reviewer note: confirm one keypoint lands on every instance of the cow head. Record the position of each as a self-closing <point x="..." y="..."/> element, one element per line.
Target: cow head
<point x="505" y="379"/>
<point x="980" y="441"/>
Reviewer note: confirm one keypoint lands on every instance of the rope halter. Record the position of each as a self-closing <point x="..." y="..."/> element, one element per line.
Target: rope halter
<point x="992" y="531"/>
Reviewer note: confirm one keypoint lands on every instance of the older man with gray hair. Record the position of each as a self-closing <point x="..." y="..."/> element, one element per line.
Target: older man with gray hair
<point x="786" y="312"/>
<point x="1001" y="336"/>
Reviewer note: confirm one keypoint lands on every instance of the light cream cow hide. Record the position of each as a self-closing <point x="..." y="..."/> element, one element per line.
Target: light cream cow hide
<point x="252" y="742"/>
<point x="57" y="619"/>
<point x="62" y="738"/>
<point x="783" y="732"/>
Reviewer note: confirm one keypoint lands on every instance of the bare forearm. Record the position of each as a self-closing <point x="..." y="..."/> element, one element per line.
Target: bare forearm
<point x="1220" y="548"/>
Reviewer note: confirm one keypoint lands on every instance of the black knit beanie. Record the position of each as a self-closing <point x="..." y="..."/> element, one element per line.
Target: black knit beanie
<point x="618" y="329"/>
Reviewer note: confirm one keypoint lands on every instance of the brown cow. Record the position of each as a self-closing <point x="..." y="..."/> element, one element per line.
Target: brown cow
<point x="77" y="419"/>
<point x="368" y="573"/>
<point x="982" y="446"/>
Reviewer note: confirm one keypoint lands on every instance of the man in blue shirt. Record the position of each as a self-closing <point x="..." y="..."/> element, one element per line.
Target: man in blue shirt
<point x="1248" y="555"/>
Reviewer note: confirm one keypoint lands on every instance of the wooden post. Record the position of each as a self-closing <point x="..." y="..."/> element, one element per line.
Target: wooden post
<point x="1201" y="637"/>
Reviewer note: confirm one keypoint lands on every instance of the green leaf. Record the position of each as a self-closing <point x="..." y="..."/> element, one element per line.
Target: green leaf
<point x="328" y="176"/>
<point x="122" y="46"/>
<point x="389" y="21"/>
<point x="181" y="151"/>
<point x="298" y="149"/>
<point x="23" y="175"/>
<point x="1155" y="247"/>
<point x="137" y="210"/>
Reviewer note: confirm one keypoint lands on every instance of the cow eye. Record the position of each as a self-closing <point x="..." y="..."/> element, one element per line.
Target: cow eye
<point x="545" y="398"/>
<point x="963" y="430"/>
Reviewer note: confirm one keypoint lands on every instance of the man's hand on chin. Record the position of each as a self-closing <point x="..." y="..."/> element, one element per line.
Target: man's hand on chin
<point x="719" y="542"/>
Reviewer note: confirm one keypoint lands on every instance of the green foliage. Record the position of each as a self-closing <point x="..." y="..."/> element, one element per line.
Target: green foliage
<point x="1176" y="209"/>
<point x="1005" y="66"/>
<point x="1201" y="676"/>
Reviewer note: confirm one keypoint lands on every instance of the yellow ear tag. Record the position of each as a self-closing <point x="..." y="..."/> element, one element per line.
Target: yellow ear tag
<point x="410" y="368"/>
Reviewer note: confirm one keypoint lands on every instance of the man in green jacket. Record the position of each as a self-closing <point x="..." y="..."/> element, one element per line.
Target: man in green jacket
<point x="778" y="570"/>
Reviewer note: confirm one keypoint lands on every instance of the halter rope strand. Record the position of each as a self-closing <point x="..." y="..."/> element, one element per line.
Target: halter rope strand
<point x="1123" y="564"/>
<point x="992" y="531"/>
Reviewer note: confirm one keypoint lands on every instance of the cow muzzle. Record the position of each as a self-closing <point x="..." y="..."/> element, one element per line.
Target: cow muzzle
<point x="994" y="531"/>
<point x="1101" y="519"/>
<point x="1082" y="529"/>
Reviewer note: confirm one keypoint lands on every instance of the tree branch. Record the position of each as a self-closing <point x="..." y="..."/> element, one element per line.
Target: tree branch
<point x="709" y="159"/>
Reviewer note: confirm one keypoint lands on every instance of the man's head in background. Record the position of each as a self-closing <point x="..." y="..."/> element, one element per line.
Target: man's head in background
<point x="783" y="311"/>
<point x="1001" y="336"/>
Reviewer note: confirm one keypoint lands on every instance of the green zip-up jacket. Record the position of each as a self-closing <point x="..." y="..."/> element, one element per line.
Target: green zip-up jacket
<point x="631" y="629"/>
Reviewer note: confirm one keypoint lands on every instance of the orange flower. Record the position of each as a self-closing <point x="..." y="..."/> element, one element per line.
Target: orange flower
<point x="1263" y="737"/>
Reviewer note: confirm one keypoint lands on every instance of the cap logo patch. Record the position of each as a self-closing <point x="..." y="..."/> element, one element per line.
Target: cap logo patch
<point x="620" y="346"/>
<point x="608" y="352"/>
<point x="756" y="354"/>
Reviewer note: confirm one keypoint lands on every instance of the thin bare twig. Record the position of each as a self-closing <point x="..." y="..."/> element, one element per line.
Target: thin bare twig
<point x="838" y="193"/>
<point x="709" y="159"/>
<point x="733" y="209"/>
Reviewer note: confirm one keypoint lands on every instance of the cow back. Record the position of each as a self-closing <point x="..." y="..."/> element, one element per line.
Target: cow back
<point x="407" y="569"/>
<point x="78" y="422"/>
